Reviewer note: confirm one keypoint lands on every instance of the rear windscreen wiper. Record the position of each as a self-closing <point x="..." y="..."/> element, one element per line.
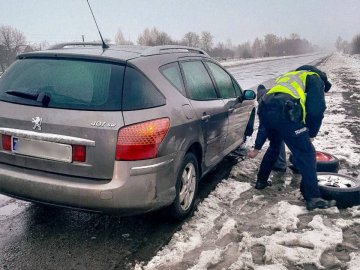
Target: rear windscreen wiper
<point x="16" y="93"/>
<point x="41" y="97"/>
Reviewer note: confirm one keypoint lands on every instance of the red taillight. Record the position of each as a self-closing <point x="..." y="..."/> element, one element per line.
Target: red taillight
<point x="79" y="153"/>
<point x="141" y="141"/>
<point x="6" y="142"/>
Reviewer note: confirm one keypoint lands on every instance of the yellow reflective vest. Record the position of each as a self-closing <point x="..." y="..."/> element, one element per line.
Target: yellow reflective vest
<point x="293" y="83"/>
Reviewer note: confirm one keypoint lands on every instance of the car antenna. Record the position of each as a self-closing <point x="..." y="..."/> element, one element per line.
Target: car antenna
<point x="104" y="45"/>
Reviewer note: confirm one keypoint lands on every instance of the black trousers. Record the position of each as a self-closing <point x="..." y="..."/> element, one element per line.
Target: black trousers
<point x="296" y="137"/>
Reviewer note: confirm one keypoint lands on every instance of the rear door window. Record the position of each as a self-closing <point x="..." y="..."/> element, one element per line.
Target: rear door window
<point x="173" y="75"/>
<point x="222" y="80"/>
<point x="69" y="84"/>
<point x="139" y="93"/>
<point x="198" y="81"/>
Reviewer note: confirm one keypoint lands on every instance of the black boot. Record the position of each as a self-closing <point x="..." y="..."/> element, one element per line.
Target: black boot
<point x="318" y="203"/>
<point x="262" y="184"/>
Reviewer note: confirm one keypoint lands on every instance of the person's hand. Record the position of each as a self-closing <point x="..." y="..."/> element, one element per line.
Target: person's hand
<point x="253" y="153"/>
<point x="312" y="139"/>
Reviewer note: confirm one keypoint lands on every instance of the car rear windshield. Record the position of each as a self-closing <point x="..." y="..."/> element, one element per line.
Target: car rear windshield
<point x="64" y="83"/>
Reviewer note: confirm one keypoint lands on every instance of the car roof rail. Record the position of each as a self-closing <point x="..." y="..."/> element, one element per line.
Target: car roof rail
<point x="69" y="44"/>
<point x="171" y="49"/>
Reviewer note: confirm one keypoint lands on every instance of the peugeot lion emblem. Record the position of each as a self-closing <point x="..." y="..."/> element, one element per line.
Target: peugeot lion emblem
<point x="37" y="122"/>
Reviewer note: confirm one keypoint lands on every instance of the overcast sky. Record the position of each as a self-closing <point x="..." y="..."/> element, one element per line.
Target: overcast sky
<point x="320" y="21"/>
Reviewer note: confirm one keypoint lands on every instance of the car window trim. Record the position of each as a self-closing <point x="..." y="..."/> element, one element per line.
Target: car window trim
<point x="185" y="83"/>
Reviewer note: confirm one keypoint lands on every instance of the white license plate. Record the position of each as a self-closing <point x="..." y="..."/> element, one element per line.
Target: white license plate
<point x="42" y="149"/>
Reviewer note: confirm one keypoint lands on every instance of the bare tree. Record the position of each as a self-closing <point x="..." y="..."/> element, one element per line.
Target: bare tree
<point x="339" y="43"/>
<point x="355" y="44"/>
<point x="11" y="41"/>
<point x="120" y="39"/>
<point x="191" y="39"/>
<point x="222" y="52"/>
<point x="154" y="37"/>
<point x="44" y="45"/>
<point x="229" y="45"/>
<point x="258" y="48"/>
<point x="145" y="38"/>
<point x="244" y="50"/>
<point x="271" y="42"/>
<point x="206" y="41"/>
<point x="162" y="38"/>
<point x="294" y="36"/>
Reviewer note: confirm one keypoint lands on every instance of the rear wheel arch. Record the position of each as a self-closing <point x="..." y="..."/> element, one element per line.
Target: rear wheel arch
<point x="196" y="149"/>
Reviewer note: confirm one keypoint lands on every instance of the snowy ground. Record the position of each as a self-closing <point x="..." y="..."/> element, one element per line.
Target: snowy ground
<point x="238" y="227"/>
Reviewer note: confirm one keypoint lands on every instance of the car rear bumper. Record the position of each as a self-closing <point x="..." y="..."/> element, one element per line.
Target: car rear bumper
<point x="136" y="187"/>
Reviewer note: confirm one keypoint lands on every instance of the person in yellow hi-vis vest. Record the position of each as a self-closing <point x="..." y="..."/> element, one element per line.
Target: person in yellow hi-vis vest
<point x="292" y="111"/>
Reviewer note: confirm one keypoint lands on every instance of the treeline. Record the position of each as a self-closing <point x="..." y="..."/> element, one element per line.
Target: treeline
<point x="352" y="47"/>
<point x="270" y="45"/>
<point x="13" y="42"/>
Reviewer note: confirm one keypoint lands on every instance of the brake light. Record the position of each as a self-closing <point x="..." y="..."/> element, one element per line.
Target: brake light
<point x="79" y="153"/>
<point x="141" y="141"/>
<point x="6" y="142"/>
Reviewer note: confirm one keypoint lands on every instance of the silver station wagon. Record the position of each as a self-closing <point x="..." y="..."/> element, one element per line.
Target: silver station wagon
<point x="125" y="129"/>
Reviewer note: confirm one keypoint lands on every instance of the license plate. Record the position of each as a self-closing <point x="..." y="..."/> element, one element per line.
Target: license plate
<point x="42" y="149"/>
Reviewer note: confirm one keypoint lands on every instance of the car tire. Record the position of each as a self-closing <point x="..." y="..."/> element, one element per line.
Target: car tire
<point x="342" y="188"/>
<point x="186" y="188"/>
<point x="325" y="162"/>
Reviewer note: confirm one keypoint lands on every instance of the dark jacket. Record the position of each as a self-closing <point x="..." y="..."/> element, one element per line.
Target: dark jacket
<point x="315" y="104"/>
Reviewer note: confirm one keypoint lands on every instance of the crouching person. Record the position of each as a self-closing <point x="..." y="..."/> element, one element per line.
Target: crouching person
<point x="292" y="111"/>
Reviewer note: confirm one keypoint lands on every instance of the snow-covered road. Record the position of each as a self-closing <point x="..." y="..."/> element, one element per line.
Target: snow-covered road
<point x="234" y="227"/>
<point x="250" y="73"/>
<point x="238" y="227"/>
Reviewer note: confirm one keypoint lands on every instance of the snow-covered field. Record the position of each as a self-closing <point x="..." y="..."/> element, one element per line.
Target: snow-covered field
<point x="238" y="227"/>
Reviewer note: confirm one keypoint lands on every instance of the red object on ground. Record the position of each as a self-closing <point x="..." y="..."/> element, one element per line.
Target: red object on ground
<point x="321" y="156"/>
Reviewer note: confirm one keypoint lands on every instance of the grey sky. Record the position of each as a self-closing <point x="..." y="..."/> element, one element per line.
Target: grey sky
<point x="320" y="21"/>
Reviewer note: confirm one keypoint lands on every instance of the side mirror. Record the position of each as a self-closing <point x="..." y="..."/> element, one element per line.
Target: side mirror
<point x="248" y="95"/>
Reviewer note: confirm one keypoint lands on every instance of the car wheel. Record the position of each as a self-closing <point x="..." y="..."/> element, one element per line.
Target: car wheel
<point x="342" y="188"/>
<point x="325" y="162"/>
<point x="186" y="188"/>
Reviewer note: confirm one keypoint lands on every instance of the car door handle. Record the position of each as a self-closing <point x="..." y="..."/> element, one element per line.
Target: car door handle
<point x="205" y="117"/>
<point x="231" y="110"/>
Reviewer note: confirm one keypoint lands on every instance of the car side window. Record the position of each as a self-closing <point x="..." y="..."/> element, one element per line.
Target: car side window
<point x="223" y="80"/>
<point x="198" y="81"/>
<point x="172" y="73"/>
<point x="139" y="93"/>
<point x="238" y="90"/>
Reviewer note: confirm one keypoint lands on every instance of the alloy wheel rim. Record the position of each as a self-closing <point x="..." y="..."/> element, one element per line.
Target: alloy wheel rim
<point x="335" y="181"/>
<point x="187" y="187"/>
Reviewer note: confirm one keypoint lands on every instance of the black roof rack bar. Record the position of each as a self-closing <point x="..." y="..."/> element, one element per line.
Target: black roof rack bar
<point x="63" y="45"/>
<point x="171" y="48"/>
